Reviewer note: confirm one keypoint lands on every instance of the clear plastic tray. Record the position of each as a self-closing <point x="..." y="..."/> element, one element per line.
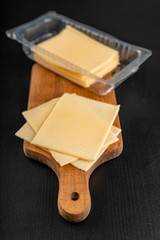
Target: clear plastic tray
<point x="47" y="25"/>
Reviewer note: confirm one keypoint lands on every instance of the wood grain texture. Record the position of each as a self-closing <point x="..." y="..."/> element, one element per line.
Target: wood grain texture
<point x="74" y="201"/>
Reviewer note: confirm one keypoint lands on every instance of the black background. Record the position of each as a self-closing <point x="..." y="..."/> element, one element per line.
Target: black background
<point x="125" y="191"/>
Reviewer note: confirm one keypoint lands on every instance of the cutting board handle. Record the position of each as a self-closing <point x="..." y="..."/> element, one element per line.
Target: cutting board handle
<point x="74" y="201"/>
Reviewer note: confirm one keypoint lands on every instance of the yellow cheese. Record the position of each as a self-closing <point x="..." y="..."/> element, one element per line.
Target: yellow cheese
<point x="78" y="49"/>
<point x="26" y="132"/>
<point x="64" y="159"/>
<point x="74" y="77"/>
<point x="36" y="116"/>
<point x="115" y="130"/>
<point x="61" y="158"/>
<point x="33" y="116"/>
<point x="112" y="138"/>
<point x="77" y="126"/>
<point x="73" y="47"/>
<point x="86" y="165"/>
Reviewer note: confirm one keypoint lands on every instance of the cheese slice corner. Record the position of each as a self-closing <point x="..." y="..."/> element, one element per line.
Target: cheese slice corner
<point x="62" y="159"/>
<point x="36" y="116"/>
<point x="86" y="165"/>
<point x="26" y="132"/>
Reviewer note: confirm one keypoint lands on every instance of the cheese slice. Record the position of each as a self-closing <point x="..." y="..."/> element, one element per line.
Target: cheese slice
<point x="33" y="117"/>
<point x="74" y="77"/>
<point x="62" y="159"/>
<point x="77" y="48"/>
<point x="78" y="78"/>
<point x="36" y="116"/>
<point x="112" y="138"/>
<point x="86" y="165"/>
<point x="73" y="47"/>
<point x="27" y="133"/>
<point x="77" y="126"/>
<point x="115" y="130"/>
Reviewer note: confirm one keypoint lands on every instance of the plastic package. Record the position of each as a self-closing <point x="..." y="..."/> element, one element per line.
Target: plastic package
<point x="49" y="24"/>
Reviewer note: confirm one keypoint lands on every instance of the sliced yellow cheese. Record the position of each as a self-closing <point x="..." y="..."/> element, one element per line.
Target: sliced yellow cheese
<point x="36" y="116"/>
<point x="77" y="126"/>
<point x="26" y="132"/>
<point x="112" y="138"/>
<point x="73" y="47"/>
<point x="79" y="49"/>
<point x="33" y="116"/>
<point x="86" y="165"/>
<point x="83" y="164"/>
<point x="61" y="158"/>
<point x="74" y="77"/>
<point x="115" y="130"/>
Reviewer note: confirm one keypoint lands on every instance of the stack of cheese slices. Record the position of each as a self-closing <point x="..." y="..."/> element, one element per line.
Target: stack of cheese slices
<point x="72" y="128"/>
<point x="76" y="48"/>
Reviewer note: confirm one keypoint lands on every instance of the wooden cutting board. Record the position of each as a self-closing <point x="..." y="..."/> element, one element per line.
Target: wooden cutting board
<point x="74" y="201"/>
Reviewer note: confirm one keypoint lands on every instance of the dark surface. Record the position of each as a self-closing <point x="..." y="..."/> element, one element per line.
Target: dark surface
<point x="126" y="191"/>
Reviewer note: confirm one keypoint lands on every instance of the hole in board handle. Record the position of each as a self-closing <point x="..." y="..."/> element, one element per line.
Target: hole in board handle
<point x="74" y="196"/>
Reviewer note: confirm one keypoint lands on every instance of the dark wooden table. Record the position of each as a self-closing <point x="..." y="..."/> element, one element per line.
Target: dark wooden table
<point x="126" y="191"/>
